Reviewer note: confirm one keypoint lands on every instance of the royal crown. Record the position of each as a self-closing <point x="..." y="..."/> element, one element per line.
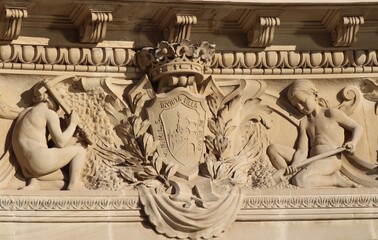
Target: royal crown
<point x="176" y="59"/>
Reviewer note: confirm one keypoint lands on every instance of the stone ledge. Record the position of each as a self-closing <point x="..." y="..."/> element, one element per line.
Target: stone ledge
<point x="259" y="205"/>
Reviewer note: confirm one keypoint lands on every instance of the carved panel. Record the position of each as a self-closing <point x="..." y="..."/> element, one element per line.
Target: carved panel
<point x="183" y="137"/>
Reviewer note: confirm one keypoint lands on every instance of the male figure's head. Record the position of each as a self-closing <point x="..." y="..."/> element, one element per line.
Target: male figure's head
<point x="41" y="96"/>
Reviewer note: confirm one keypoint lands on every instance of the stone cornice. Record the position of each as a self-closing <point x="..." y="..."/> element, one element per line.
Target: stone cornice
<point x="121" y="60"/>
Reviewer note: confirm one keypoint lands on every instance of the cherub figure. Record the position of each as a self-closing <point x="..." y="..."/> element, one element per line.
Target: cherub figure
<point x="37" y="160"/>
<point x="321" y="130"/>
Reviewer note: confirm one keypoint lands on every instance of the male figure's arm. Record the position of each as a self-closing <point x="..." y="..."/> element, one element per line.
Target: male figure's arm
<point x="302" y="147"/>
<point x="61" y="139"/>
<point x="350" y="125"/>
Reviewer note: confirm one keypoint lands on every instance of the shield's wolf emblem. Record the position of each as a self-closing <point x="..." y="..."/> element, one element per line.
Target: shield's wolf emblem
<point x="178" y="121"/>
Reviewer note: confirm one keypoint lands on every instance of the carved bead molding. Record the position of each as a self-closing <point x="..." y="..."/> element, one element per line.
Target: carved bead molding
<point x="343" y="29"/>
<point x="91" y="23"/>
<point x="176" y="26"/>
<point x="121" y="60"/>
<point x="10" y="22"/>
<point x="259" y="29"/>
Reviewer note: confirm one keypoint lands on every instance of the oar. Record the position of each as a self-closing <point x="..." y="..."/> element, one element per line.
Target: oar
<point x="278" y="175"/>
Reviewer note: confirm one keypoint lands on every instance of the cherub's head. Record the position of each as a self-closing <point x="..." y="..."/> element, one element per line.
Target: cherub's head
<point x="303" y="95"/>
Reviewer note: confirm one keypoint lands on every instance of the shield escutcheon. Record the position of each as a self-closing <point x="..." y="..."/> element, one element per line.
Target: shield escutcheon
<point x="178" y="121"/>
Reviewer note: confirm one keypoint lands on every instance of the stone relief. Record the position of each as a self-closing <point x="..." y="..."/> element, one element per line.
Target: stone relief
<point x="187" y="142"/>
<point x="39" y="162"/>
<point x="319" y="139"/>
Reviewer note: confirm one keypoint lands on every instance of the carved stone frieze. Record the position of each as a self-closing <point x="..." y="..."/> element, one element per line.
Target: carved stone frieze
<point x="159" y="119"/>
<point x="91" y="23"/>
<point x="11" y="21"/>
<point x="343" y="29"/>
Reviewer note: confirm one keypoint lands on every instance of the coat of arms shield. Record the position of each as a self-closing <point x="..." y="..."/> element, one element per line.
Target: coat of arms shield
<point x="178" y="121"/>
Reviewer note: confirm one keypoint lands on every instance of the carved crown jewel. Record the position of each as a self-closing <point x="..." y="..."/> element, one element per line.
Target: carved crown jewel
<point x="176" y="59"/>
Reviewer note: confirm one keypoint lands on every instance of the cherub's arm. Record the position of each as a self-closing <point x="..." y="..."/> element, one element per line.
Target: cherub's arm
<point x="302" y="147"/>
<point x="349" y="124"/>
<point x="61" y="138"/>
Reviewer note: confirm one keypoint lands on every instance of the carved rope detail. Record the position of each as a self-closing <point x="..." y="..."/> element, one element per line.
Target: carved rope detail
<point x="10" y="23"/>
<point x="132" y="203"/>
<point x="262" y="32"/>
<point x="245" y="63"/>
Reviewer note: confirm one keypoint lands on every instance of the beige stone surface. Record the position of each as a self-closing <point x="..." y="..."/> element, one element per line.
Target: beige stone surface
<point x="190" y="120"/>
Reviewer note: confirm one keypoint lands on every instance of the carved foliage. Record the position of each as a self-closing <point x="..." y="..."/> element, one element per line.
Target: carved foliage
<point x="137" y="159"/>
<point x="235" y="141"/>
<point x="370" y="90"/>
